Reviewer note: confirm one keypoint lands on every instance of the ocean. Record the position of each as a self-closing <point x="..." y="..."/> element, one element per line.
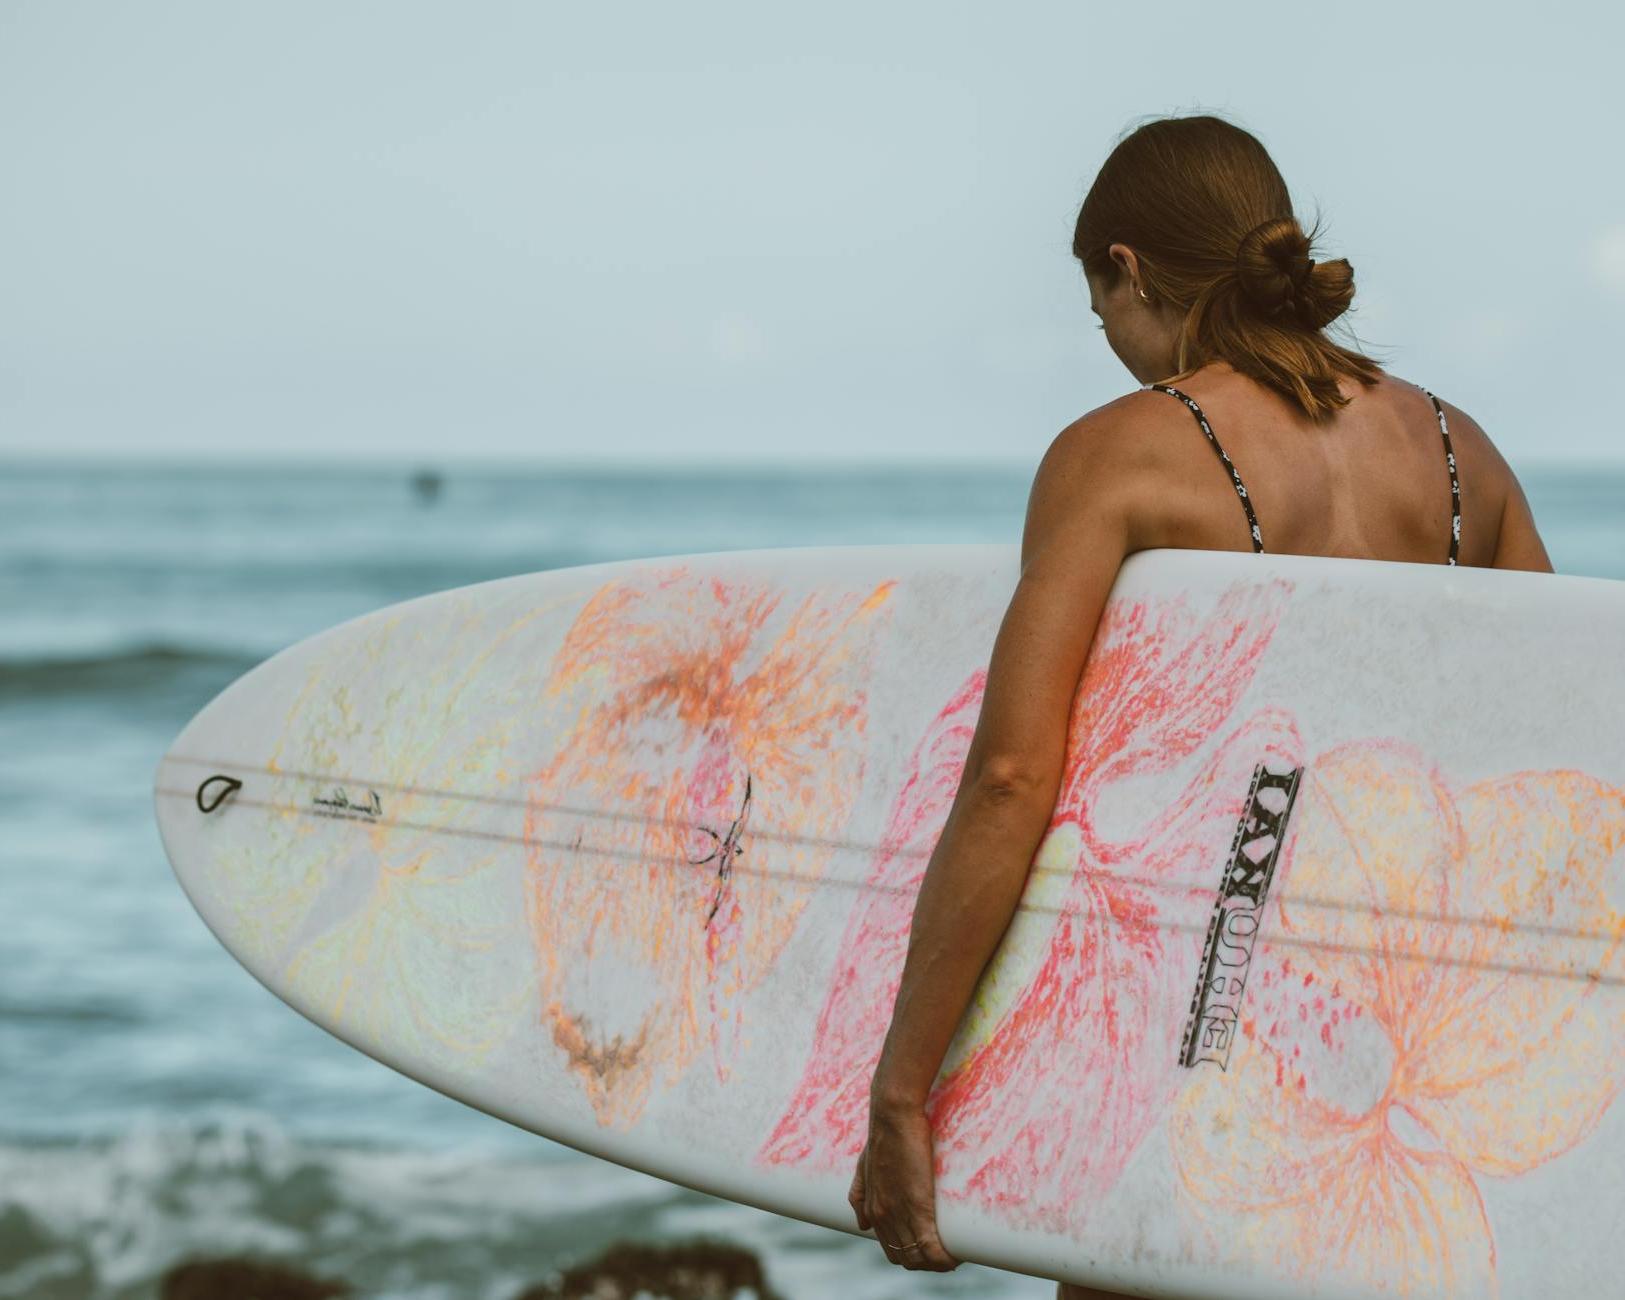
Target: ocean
<point x="158" y="1105"/>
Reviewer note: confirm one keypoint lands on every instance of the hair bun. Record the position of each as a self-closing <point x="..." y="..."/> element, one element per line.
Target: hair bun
<point x="1282" y="283"/>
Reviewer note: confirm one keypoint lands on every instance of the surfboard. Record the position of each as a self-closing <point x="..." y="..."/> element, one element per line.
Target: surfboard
<point x="1314" y="988"/>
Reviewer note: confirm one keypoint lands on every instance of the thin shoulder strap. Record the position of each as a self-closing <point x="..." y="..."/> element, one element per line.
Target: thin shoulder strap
<point x="1455" y="486"/>
<point x="1235" y="478"/>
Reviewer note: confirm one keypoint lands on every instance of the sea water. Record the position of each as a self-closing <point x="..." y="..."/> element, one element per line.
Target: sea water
<point x="156" y="1103"/>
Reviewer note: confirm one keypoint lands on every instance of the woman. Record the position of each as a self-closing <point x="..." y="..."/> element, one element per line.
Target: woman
<point x="1208" y="292"/>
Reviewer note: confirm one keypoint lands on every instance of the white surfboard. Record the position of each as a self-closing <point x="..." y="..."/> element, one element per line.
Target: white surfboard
<point x="1315" y="988"/>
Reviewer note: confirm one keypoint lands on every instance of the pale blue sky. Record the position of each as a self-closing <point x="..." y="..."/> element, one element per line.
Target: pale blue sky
<point x="710" y="232"/>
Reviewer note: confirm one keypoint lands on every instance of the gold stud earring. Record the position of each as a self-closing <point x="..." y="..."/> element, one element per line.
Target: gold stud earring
<point x="1145" y="295"/>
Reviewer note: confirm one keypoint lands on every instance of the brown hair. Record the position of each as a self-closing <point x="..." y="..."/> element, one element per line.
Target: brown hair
<point x="1207" y="214"/>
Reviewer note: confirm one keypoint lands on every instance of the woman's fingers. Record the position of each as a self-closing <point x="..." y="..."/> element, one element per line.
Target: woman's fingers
<point x="910" y="1238"/>
<point x="929" y="1254"/>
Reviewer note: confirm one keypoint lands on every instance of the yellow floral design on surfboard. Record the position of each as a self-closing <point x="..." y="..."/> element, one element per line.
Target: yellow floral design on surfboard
<point x="383" y="933"/>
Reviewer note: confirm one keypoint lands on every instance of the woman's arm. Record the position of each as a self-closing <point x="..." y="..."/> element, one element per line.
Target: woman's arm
<point x="1080" y="517"/>
<point x="975" y="879"/>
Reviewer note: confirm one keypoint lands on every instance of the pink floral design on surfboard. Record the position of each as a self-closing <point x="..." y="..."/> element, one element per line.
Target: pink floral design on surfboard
<point x="710" y="714"/>
<point x="1045" y="1099"/>
<point x="1439" y="1000"/>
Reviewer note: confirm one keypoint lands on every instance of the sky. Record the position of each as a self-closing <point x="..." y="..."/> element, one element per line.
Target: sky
<point x="723" y="233"/>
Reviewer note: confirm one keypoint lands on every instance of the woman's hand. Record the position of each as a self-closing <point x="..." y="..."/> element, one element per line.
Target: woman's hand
<point x="894" y="1188"/>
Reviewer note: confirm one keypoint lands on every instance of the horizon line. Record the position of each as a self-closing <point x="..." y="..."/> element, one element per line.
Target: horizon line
<point x="627" y="464"/>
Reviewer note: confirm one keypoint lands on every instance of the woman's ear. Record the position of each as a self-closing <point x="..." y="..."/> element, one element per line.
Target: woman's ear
<point x="1127" y="263"/>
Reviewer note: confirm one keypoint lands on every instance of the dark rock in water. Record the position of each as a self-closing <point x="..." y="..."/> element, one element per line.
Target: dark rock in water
<point x="243" y="1279"/>
<point x="426" y="483"/>
<point x="690" y="1270"/>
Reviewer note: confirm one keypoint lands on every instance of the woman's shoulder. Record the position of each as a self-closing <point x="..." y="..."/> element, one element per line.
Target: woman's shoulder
<point x="1113" y="430"/>
<point x="1490" y="490"/>
<point x="1129" y="435"/>
<point x="1118" y="456"/>
<point x="1486" y="480"/>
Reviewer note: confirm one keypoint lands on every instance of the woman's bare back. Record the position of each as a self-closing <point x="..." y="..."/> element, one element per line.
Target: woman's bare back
<point x="1371" y="483"/>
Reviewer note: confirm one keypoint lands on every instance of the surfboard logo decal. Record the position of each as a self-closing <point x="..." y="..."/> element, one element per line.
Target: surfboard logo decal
<point x="1227" y="952"/>
<point x="338" y="803"/>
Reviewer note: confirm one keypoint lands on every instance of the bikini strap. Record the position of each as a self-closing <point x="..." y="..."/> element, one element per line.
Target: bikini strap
<point x="1235" y="478"/>
<point x="1455" y="485"/>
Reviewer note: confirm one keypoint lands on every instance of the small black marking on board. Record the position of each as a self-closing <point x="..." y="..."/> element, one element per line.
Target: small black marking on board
<point x="728" y="848"/>
<point x="1227" y="951"/>
<point x="231" y="786"/>
<point x="339" y="804"/>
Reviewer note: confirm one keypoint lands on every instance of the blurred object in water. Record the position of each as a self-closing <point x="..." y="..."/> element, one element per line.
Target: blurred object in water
<point x="699" y="1269"/>
<point x="426" y="483"/>
<point x="244" y="1279"/>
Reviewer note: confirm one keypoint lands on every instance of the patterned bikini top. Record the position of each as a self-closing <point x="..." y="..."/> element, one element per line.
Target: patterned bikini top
<point x="1247" y="505"/>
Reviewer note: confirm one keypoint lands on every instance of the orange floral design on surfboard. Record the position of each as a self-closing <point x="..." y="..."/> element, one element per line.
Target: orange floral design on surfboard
<point x="1062" y="1069"/>
<point x="712" y="716"/>
<point x="1463" y="943"/>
